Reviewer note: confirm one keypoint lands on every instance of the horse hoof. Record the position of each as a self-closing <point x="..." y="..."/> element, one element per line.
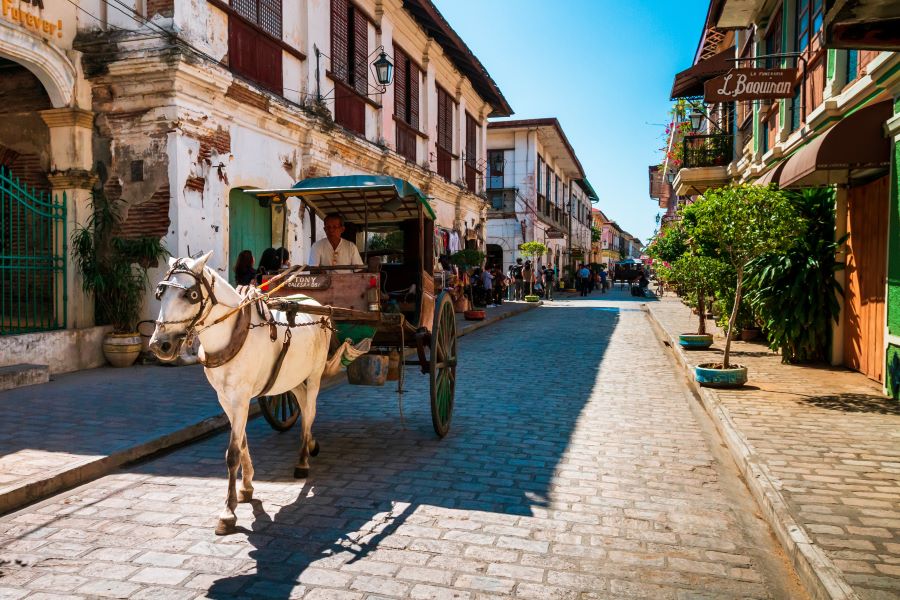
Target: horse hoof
<point x="226" y="526"/>
<point x="315" y="449"/>
<point x="301" y="472"/>
<point x="245" y="496"/>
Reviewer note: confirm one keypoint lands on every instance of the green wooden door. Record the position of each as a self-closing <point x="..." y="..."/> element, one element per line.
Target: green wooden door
<point x="249" y="228"/>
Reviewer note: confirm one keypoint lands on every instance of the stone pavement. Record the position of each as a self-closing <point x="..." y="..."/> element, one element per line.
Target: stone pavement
<point x="82" y="425"/>
<point x="823" y="446"/>
<point x="577" y="466"/>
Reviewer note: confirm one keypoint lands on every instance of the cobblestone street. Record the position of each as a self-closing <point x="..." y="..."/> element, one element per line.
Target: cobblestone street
<point x="578" y="465"/>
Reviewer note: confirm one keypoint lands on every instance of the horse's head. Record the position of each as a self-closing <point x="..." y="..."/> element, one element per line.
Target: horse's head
<point x="186" y="297"/>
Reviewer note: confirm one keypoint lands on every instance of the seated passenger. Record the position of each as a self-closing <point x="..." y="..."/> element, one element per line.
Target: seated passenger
<point x="334" y="250"/>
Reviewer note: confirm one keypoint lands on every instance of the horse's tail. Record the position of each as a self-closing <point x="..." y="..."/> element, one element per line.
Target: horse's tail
<point x="346" y="354"/>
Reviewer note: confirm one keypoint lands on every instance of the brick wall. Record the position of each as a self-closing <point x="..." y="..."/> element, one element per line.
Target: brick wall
<point x="164" y="8"/>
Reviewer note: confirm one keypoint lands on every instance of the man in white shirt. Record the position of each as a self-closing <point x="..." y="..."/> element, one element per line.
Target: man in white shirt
<point x="334" y="250"/>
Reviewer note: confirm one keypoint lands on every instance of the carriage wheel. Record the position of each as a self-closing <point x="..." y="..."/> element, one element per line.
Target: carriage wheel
<point x="443" y="364"/>
<point x="281" y="411"/>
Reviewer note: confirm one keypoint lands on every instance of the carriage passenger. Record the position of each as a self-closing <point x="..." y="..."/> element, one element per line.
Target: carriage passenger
<point x="334" y="250"/>
<point x="244" y="272"/>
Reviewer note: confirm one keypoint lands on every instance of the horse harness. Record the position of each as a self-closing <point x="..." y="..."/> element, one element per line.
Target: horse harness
<point x="194" y="295"/>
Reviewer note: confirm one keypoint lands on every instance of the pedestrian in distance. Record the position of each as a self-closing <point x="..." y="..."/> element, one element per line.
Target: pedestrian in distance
<point x="487" y="282"/>
<point x="584" y="276"/>
<point x="501" y="283"/>
<point x="603" y="278"/>
<point x="244" y="272"/>
<point x="528" y="278"/>
<point x="549" y="278"/>
<point x="518" y="277"/>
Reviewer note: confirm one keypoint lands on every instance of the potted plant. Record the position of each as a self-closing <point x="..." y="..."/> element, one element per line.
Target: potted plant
<point x="465" y="258"/>
<point x="114" y="271"/>
<point x="696" y="276"/>
<point x="737" y="224"/>
<point x="532" y="251"/>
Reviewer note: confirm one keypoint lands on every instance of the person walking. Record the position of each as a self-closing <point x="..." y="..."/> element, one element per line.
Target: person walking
<point x="603" y="277"/>
<point x="549" y="277"/>
<point x="584" y="276"/>
<point x="519" y="279"/>
<point x="487" y="281"/>
<point x="528" y="278"/>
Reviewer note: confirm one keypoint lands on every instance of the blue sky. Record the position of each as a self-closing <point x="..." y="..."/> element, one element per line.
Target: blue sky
<point x="604" y="68"/>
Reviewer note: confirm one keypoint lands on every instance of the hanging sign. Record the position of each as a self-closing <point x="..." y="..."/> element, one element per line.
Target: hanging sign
<point x="20" y="11"/>
<point x="750" y="84"/>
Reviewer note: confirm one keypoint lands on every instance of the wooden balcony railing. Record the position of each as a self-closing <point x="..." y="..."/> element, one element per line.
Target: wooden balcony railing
<point x="707" y="150"/>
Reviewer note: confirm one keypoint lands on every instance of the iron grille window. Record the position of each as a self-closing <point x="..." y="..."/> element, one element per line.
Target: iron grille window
<point x="264" y="13"/>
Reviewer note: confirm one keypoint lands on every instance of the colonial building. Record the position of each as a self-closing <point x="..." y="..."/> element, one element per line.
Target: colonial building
<point x="537" y="191"/>
<point x="839" y="127"/>
<point x="175" y="107"/>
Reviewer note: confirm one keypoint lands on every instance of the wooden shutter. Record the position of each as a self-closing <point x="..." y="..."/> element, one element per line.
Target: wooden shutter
<point x="471" y="140"/>
<point x="445" y="121"/>
<point x="340" y="42"/>
<point x="254" y="55"/>
<point x="413" y="101"/>
<point x="401" y="73"/>
<point x="360" y="52"/>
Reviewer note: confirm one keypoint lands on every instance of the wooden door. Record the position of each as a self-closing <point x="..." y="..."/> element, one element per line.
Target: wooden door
<point x="867" y="223"/>
<point x="249" y="228"/>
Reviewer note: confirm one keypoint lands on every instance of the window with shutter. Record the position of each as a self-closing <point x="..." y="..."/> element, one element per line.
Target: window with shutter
<point x="406" y="103"/>
<point x="471" y="168"/>
<point x="252" y="48"/>
<point x="413" y="93"/>
<point x="360" y="52"/>
<point x="401" y="76"/>
<point x="445" y="133"/>
<point x="340" y="42"/>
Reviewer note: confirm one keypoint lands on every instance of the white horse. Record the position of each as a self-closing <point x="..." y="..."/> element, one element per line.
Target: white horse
<point x="193" y="298"/>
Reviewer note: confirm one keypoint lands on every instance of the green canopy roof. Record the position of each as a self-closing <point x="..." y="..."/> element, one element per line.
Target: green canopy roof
<point x="376" y="198"/>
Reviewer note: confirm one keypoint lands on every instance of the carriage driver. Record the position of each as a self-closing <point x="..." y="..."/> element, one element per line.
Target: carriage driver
<point x="334" y="250"/>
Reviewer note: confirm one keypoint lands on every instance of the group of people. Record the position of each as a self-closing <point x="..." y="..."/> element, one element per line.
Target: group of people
<point x="271" y="261"/>
<point x="491" y="286"/>
<point x="587" y="278"/>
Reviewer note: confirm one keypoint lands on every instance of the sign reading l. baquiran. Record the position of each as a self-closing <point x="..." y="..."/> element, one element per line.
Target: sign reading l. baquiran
<point x="30" y="14"/>
<point x="750" y="84"/>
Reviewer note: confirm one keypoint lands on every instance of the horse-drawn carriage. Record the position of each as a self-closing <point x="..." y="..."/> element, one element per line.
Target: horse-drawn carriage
<point x="391" y="299"/>
<point x="246" y="345"/>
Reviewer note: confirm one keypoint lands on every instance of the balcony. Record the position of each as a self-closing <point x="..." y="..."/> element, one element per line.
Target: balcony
<point x="501" y="203"/>
<point x="707" y="151"/>
<point x="705" y="163"/>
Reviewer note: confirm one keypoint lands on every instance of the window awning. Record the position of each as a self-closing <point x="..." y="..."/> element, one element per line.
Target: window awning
<point x="856" y="143"/>
<point x="690" y="81"/>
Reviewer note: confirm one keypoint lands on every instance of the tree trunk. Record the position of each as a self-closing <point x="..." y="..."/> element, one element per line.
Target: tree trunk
<point x="701" y="310"/>
<point x="733" y="319"/>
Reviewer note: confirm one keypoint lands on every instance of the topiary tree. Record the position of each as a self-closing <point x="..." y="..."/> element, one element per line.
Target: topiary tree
<point x="533" y="250"/>
<point x="737" y="224"/>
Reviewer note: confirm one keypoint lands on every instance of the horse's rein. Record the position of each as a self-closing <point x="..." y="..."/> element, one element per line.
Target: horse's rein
<point x="264" y="297"/>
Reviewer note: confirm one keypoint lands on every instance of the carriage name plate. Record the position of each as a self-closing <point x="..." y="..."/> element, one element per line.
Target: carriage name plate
<point x="310" y="282"/>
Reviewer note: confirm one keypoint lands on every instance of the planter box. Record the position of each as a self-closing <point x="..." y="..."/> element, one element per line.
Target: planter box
<point x="695" y="341"/>
<point x="709" y="376"/>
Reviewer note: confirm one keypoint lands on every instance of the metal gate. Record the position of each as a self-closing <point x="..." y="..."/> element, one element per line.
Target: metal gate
<point x="32" y="258"/>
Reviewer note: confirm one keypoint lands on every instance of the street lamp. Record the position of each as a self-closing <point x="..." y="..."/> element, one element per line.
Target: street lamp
<point x="696" y="118"/>
<point x="670" y="176"/>
<point x="384" y="69"/>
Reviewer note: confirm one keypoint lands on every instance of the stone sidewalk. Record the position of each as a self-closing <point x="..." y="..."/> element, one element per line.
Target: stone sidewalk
<point x="820" y="449"/>
<point x="82" y="425"/>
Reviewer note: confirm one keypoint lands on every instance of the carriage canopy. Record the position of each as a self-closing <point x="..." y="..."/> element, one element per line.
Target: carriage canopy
<point x="359" y="198"/>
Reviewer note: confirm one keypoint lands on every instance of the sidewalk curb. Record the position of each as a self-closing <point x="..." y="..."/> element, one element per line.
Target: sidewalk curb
<point x="95" y="467"/>
<point x="818" y="575"/>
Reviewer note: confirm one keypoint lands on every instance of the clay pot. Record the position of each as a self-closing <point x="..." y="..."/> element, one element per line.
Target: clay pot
<point x="122" y="349"/>
<point x="474" y="315"/>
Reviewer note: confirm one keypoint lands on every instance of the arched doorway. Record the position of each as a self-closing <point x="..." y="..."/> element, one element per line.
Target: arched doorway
<point x="32" y="263"/>
<point x="249" y="227"/>
<point x="494" y="255"/>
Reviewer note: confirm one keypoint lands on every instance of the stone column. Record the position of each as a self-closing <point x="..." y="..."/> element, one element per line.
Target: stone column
<point x="71" y="176"/>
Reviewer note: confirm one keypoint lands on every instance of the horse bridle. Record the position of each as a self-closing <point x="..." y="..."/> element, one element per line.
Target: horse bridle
<point x="193" y="294"/>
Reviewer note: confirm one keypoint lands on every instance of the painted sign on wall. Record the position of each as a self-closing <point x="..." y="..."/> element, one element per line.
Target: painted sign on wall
<point x="750" y="84"/>
<point x="27" y="13"/>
